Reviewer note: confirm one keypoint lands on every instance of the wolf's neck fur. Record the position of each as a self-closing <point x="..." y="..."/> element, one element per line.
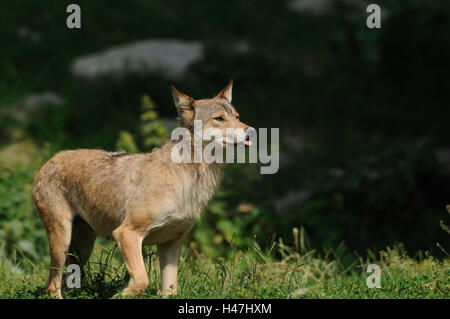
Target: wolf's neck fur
<point x="195" y="182"/>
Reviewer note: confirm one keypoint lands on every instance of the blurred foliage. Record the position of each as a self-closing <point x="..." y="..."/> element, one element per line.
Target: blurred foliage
<point x="22" y="236"/>
<point x="369" y="109"/>
<point x="126" y="143"/>
<point x="152" y="129"/>
<point x="153" y="133"/>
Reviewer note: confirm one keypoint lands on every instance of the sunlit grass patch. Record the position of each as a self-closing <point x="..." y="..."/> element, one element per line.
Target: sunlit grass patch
<point x="280" y="272"/>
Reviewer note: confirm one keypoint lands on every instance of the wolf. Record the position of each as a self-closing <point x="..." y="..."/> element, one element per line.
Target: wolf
<point x="136" y="199"/>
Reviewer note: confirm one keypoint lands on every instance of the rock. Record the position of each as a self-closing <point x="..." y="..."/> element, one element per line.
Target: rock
<point x="18" y="154"/>
<point x="242" y="47"/>
<point x="32" y="103"/>
<point x="443" y="159"/>
<point x="292" y="198"/>
<point x="43" y="98"/>
<point x="171" y="56"/>
<point x="323" y="7"/>
<point x="318" y="7"/>
<point x="28" y="35"/>
<point x="292" y="144"/>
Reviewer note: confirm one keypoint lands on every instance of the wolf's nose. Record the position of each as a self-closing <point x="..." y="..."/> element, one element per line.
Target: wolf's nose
<point x="247" y="141"/>
<point x="249" y="131"/>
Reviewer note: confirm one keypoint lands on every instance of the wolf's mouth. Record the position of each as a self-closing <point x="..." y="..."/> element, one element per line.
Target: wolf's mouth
<point x="247" y="142"/>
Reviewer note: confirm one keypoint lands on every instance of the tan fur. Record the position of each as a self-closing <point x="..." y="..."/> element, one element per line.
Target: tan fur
<point x="135" y="199"/>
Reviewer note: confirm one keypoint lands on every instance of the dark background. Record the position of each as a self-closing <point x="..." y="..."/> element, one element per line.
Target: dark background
<point x="363" y="113"/>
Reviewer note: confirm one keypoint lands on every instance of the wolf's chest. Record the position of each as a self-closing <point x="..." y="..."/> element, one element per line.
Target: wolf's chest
<point x="188" y="198"/>
<point x="196" y="194"/>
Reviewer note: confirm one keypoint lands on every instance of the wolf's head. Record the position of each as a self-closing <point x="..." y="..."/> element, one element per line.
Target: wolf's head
<point x="218" y="117"/>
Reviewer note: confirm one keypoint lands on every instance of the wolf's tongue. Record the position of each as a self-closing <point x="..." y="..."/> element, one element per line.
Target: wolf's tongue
<point x="248" y="143"/>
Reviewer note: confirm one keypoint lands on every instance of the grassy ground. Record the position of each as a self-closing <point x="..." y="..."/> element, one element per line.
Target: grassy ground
<point x="296" y="273"/>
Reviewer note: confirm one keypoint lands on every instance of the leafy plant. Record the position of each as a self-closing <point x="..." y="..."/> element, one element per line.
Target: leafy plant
<point x="152" y="133"/>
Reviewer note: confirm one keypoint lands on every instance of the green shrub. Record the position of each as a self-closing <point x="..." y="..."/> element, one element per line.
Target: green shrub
<point x="22" y="234"/>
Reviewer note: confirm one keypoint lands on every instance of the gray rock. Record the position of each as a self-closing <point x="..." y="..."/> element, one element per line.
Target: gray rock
<point x="443" y="158"/>
<point x="318" y="7"/>
<point x="29" y="35"/>
<point x="322" y="7"/>
<point x="33" y="103"/>
<point x="292" y="198"/>
<point x="168" y="55"/>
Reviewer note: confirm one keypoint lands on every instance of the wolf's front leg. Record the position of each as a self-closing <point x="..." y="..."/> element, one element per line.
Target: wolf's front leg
<point x="169" y="256"/>
<point x="130" y="243"/>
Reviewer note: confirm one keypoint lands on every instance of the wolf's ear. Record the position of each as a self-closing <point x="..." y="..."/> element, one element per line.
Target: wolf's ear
<point x="181" y="100"/>
<point x="226" y="93"/>
<point x="184" y="104"/>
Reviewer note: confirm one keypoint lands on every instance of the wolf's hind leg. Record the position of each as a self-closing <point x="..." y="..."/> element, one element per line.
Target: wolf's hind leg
<point x="59" y="228"/>
<point x="82" y="243"/>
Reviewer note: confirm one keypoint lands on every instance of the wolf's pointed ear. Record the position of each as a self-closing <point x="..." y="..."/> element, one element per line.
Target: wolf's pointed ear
<point x="226" y="93"/>
<point x="181" y="100"/>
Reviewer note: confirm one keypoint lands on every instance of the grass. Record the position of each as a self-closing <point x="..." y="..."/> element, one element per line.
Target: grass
<point x="296" y="273"/>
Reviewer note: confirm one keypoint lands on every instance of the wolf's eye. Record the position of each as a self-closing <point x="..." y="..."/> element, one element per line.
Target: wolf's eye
<point x="219" y="118"/>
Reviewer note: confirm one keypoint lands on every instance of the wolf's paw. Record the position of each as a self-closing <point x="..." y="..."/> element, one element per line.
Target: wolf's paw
<point x="127" y="292"/>
<point x="54" y="294"/>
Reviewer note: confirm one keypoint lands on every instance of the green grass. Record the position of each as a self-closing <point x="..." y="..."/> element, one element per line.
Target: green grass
<point x="296" y="273"/>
